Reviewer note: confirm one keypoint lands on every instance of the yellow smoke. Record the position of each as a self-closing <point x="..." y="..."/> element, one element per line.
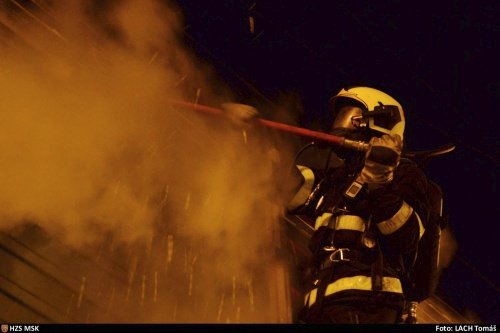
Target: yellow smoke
<point x="92" y="150"/>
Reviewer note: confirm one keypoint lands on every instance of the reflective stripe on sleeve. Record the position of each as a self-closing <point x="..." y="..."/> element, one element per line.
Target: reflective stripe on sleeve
<point x="312" y="297"/>
<point x="421" y="228"/>
<point x="397" y="221"/>
<point x="359" y="282"/>
<point x="305" y="190"/>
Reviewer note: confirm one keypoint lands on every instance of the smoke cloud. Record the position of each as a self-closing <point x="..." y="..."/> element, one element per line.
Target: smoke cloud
<point x="93" y="152"/>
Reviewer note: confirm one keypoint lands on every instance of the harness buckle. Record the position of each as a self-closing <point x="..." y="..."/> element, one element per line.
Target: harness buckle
<point x="339" y="255"/>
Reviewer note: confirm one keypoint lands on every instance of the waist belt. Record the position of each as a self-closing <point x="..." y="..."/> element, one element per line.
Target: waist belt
<point x="359" y="282"/>
<point x="350" y="222"/>
<point x="341" y="222"/>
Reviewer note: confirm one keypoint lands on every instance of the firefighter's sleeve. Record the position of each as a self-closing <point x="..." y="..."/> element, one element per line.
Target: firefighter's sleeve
<point x="306" y="184"/>
<point x="398" y="209"/>
<point x="393" y="196"/>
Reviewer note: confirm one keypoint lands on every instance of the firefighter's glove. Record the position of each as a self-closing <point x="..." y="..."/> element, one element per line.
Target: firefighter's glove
<point x="381" y="159"/>
<point x="240" y="114"/>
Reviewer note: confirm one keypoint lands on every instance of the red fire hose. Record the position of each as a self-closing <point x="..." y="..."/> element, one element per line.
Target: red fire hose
<point x="337" y="140"/>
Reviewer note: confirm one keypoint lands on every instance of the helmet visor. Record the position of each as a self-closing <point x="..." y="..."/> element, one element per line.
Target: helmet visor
<point x="348" y="117"/>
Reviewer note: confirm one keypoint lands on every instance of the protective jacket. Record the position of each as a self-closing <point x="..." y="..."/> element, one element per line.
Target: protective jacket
<point x="364" y="248"/>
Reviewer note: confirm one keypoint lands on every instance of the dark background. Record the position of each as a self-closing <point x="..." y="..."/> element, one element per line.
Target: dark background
<point x="438" y="59"/>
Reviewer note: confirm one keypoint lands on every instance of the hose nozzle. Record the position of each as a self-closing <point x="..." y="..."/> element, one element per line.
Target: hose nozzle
<point x="356" y="145"/>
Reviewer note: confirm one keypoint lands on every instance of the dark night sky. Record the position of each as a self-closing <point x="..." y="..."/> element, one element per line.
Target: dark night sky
<point x="439" y="60"/>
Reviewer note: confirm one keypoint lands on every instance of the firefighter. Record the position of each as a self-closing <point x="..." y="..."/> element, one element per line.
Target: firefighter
<point x="370" y="211"/>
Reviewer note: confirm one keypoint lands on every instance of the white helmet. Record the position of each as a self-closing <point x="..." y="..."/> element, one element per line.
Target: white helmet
<point x="380" y="112"/>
